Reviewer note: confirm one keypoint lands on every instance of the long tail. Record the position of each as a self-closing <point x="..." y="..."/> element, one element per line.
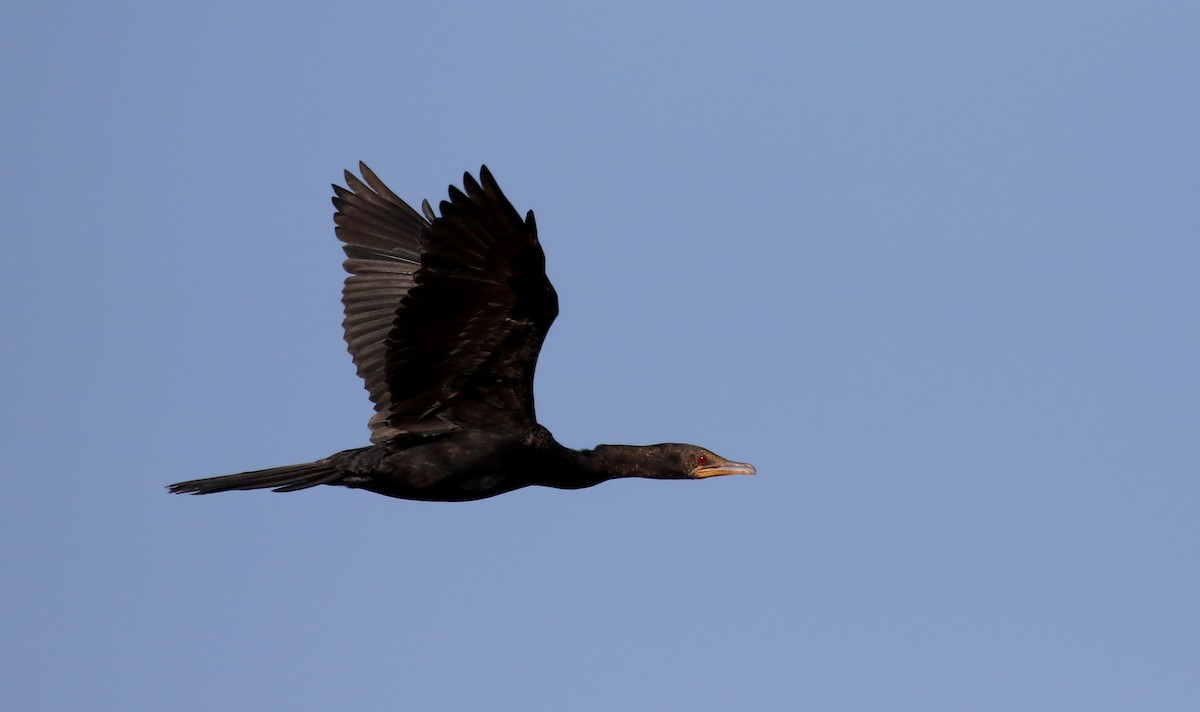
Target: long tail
<point x="282" y="479"/>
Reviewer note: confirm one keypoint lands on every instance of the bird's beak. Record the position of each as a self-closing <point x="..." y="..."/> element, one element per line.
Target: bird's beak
<point x="723" y="468"/>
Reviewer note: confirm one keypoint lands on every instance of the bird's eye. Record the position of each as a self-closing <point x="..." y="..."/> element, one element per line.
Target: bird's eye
<point x="702" y="460"/>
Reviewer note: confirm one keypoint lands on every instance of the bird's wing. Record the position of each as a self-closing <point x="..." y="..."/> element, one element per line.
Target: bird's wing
<point x="382" y="236"/>
<point x="470" y="306"/>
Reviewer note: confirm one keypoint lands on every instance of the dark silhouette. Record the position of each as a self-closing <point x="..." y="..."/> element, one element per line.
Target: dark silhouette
<point x="445" y="317"/>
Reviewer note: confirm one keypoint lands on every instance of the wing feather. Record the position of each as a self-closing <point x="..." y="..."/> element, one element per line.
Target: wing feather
<point x="445" y="316"/>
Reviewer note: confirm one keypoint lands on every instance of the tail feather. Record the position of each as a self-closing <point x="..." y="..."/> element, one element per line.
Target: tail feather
<point x="283" y="479"/>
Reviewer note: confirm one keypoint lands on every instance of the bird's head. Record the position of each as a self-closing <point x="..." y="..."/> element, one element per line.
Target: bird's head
<point x="668" y="461"/>
<point x="693" y="462"/>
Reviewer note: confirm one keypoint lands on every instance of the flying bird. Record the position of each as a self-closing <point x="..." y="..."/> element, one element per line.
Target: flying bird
<point x="445" y="317"/>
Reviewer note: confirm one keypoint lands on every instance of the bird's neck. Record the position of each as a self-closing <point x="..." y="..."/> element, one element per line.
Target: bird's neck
<point x="608" y="462"/>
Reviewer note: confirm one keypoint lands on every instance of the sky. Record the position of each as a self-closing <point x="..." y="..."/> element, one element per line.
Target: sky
<point x="930" y="266"/>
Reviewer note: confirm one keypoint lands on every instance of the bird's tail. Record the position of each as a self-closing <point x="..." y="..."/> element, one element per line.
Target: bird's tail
<point x="282" y="479"/>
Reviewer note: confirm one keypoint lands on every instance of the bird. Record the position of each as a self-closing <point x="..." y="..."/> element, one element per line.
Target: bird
<point x="445" y="316"/>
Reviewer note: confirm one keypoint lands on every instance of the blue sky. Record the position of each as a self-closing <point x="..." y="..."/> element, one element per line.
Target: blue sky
<point x="932" y="267"/>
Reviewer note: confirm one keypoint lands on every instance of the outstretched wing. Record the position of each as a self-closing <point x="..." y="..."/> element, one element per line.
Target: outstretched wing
<point x="382" y="237"/>
<point x="445" y="316"/>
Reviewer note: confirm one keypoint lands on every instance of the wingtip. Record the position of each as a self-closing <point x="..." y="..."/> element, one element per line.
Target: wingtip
<point x="368" y="175"/>
<point x="353" y="180"/>
<point x="488" y="180"/>
<point x="471" y="185"/>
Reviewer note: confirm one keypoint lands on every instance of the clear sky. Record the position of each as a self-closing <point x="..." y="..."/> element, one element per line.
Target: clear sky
<point x="931" y="266"/>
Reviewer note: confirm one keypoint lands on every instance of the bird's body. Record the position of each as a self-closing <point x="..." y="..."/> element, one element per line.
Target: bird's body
<point x="445" y="317"/>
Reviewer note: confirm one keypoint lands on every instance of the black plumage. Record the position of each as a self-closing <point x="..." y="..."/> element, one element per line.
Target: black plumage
<point x="445" y="317"/>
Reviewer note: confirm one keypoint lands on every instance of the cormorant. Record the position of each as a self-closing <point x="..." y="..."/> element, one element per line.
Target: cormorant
<point x="445" y="317"/>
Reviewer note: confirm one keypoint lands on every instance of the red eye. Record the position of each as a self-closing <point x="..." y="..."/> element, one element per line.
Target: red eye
<point x="702" y="459"/>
